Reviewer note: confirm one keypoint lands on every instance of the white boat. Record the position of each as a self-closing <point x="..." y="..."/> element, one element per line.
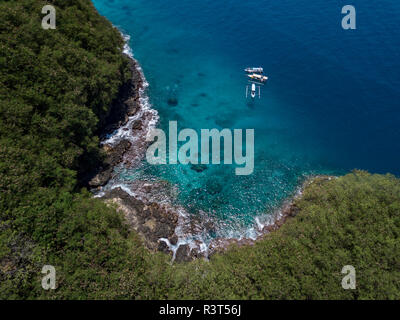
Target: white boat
<point x="258" y="77"/>
<point x="254" y="70"/>
<point x="253" y="90"/>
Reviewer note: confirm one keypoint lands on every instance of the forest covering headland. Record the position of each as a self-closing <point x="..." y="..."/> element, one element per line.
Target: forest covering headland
<point x="56" y="89"/>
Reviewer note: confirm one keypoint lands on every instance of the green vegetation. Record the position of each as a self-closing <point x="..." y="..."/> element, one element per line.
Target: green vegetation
<point x="352" y="220"/>
<point x="56" y="87"/>
<point x="55" y="90"/>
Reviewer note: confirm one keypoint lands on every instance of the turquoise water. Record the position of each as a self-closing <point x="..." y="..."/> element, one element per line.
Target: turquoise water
<point x="331" y="103"/>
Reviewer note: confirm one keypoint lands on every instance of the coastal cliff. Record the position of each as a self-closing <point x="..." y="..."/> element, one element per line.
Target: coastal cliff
<point x="125" y="105"/>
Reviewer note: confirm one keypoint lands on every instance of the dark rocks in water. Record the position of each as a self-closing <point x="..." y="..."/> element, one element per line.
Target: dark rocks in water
<point x="195" y="105"/>
<point x="132" y="106"/>
<point x="114" y="157"/>
<point x="172" y="51"/>
<point x="198" y="224"/>
<point x="201" y="74"/>
<point x="115" y="154"/>
<point x="173" y="102"/>
<point x="203" y="95"/>
<point x="137" y="125"/>
<point x="198" y="167"/>
<point x="213" y="187"/>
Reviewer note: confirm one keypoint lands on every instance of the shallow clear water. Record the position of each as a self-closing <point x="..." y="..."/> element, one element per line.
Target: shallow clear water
<point x="331" y="103"/>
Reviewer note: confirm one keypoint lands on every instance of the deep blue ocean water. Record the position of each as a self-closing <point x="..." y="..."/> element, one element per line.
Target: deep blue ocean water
<point x="332" y="102"/>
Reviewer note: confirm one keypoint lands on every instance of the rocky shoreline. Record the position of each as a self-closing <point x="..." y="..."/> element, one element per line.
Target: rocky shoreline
<point x="150" y="218"/>
<point x="124" y="106"/>
<point x="155" y="220"/>
<point x="151" y="221"/>
<point x="288" y="210"/>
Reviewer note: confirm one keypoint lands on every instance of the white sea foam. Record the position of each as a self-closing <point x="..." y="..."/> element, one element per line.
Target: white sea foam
<point x="259" y="224"/>
<point x="99" y="195"/>
<point x="173" y="248"/>
<point x="127" y="49"/>
<point x="146" y="114"/>
<point x="124" y="188"/>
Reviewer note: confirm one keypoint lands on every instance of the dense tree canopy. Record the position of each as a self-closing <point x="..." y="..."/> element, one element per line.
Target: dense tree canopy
<point x="56" y="87"/>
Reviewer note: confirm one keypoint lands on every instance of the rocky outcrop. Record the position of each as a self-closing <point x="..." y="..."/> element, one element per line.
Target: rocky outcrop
<point x="137" y="125"/>
<point x="126" y="103"/>
<point x="173" y="102"/>
<point x="114" y="156"/>
<point x="151" y="221"/>
<point x="124" y="106"/>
